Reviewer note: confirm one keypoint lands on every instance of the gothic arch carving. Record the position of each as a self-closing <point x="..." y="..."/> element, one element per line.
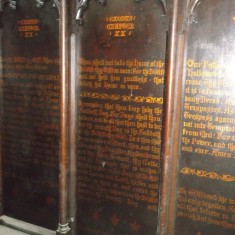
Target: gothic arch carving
<point x="163" y="2"/>
<point x="57" y="4"/>
<point x="192" y="7"/>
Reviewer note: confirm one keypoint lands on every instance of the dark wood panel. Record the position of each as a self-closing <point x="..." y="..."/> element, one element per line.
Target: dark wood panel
<point x="30" y="112"/>
<point x="205" y="195"/>
<point x="121" y="64"/>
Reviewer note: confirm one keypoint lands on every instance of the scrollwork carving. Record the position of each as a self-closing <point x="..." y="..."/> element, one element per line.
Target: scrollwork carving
<point x="207" y="174"/>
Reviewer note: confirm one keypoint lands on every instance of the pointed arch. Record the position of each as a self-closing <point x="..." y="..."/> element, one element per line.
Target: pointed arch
<point x="192" y="16"/>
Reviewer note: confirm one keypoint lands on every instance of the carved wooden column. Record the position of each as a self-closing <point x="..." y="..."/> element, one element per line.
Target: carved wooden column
<point x="64" y="73"/>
